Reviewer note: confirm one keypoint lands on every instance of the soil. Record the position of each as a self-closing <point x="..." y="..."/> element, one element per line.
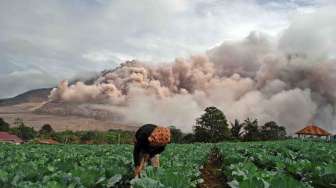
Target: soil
<point x="211" y="173"/>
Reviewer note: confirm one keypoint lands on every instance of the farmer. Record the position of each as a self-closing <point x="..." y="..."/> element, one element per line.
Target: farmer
<point x="150" y="141"/>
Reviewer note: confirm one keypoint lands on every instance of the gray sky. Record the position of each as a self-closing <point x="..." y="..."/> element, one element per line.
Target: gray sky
<point x="43" y="42"/>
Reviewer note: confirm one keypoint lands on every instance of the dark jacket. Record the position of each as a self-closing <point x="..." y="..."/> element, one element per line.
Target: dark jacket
<point x="142" y="145"/>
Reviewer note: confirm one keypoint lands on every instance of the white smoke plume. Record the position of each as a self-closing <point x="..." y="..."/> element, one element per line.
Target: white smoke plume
<point x="290" y="83"/>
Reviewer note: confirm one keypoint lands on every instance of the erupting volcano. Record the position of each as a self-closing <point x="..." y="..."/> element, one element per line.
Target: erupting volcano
<point x="250" y="78"/>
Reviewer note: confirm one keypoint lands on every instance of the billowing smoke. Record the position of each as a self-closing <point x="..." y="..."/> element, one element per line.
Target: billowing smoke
<point x="251" y="78"/>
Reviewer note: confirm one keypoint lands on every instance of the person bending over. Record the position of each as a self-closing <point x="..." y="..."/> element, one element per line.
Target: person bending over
<point x="150" y="141"/>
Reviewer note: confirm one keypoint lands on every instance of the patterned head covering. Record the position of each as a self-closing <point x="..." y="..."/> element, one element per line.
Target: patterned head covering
<point x="160" y="136"/>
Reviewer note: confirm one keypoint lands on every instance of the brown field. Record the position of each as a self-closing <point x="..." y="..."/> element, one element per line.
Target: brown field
<point x="59" y="123"/>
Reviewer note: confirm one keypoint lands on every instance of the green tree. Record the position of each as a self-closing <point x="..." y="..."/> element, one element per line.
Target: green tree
<point x="88" y="136"/>
<point x="201" y="134"/>
<point x="4" y="126"/>
<point x="22" y="131"/>
<point x="236" y="128"/>
<point x="176" y="134"/>
<point x="251" y="130"/>
<point x="272" y="131"/>
<point x="212" y="126"/>
<point x="46" y="129"/>
<point x="188" y="138"/>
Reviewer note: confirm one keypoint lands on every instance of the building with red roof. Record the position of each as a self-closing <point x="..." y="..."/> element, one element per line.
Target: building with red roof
<point x="10" y="138"/>
<point x="313" y="130"/>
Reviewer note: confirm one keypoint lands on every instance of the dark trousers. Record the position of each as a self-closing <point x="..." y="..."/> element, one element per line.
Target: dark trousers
<point x="142" y="157"/>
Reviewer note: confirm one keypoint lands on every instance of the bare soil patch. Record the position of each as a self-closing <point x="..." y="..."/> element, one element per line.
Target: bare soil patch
<point x="211" y="172"/>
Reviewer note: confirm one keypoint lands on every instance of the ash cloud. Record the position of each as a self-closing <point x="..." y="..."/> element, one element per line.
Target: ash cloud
<point x="288" y="81"/>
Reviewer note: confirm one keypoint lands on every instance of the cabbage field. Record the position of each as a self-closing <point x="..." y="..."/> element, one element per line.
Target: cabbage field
<point x="279" y="164"/>
<point x="291" y="163"/>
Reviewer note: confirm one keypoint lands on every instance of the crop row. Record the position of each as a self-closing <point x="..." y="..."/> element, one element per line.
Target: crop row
<point x="180" y="166"/>
<point x="291" y="163"/>
<point x="63" y="165"/>
<point x="96" y="166"/>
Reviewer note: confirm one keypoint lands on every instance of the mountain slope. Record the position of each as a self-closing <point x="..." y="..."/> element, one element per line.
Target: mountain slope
<point x="36" y="95"/>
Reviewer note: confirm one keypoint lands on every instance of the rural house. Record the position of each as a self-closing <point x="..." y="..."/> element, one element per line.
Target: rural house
<point x="10" y="138"/>
<point x="313" y="131"/>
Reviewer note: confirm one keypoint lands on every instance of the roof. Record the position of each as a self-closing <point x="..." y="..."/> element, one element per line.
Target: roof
<point x="313" y="130"/>
<point x="5" y="136"/>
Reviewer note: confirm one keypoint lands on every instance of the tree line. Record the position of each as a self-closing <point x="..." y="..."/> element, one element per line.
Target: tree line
<point x="28" y="134"/>
<point x="212" y="126"/>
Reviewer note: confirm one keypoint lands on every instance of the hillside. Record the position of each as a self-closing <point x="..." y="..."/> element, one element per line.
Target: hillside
<point x="60" y="116"/>
<point x="32" y="96"/>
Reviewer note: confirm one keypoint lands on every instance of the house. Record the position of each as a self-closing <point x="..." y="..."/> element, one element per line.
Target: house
<point x="313" y="131"/>
<point x="10" y="138"/>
